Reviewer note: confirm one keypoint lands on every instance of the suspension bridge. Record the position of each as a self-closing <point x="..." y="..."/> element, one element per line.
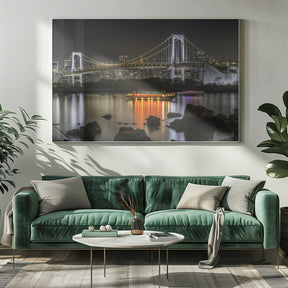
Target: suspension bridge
<point x="175" y="58"/>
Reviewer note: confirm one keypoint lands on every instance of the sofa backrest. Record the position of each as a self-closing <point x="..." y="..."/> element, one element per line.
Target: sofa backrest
<point x="102" y="190"/>
<point x="153" y="193"/>
<point x="164" y="192"/>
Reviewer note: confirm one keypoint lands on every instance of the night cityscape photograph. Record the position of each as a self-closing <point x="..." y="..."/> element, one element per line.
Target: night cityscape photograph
<point x="145" y="80"/>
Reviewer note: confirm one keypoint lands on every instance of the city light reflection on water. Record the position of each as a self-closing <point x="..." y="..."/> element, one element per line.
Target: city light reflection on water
<point x="71" y="111"/>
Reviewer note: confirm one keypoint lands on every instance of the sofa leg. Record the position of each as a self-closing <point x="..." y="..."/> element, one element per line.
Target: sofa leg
<point x="263" y="254"/>
<point x="278" y="256"/>
<point x="151" y="256"/>
<point x="13" y="258"/>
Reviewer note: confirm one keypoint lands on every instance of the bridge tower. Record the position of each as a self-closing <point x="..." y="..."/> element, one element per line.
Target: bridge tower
<point x="77" y="65"/>
<point x="177" y="56"/>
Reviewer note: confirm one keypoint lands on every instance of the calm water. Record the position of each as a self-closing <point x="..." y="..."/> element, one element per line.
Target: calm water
<point x="70" y="111"/>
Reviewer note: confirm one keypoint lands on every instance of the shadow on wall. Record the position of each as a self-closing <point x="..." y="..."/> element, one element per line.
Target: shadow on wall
<point x="52" y="159"/>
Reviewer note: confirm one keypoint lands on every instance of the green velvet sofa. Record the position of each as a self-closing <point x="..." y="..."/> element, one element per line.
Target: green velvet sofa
<point x="157" y="199"/>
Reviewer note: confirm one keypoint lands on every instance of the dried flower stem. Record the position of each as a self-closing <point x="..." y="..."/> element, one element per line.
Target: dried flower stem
<point x="126" y="201"/>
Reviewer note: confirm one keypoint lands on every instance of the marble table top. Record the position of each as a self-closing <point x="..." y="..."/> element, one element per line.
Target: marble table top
<point x="126" y="240"/>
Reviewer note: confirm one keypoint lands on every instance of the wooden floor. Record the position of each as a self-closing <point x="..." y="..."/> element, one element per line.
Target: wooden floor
<point x="51" y="255"/>
<point x="136" y="260"/>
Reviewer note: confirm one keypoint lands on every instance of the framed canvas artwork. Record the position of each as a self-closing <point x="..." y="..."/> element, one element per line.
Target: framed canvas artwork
<point x="145" y="80"/>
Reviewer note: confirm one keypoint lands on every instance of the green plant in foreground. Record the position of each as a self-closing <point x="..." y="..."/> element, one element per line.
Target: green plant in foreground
<point x="277" y="130"/>
<point x="13" y="134"/>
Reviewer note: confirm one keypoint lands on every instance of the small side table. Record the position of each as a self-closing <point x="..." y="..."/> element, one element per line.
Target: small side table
<point x="126" y="240"/>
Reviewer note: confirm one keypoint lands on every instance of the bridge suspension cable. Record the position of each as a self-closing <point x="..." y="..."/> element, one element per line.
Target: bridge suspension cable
<point x="146" y="55"/>
<point x="197" y="52"/>
<point x="95" y="62"/>
<point x="167" y="51"/>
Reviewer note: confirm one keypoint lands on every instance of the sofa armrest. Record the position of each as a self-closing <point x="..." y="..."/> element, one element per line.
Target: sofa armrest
<point x="25" y="210"/>
<point x="267" y="212"/>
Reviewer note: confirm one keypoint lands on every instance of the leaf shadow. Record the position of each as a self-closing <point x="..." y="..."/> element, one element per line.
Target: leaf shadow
<point x="65" y="159"/>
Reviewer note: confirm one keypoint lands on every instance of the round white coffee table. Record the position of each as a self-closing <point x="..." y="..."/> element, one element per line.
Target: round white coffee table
<point x="126" y="240"/>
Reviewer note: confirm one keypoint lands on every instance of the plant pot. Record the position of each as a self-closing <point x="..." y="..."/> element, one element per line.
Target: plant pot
<point x="284" y="228"/>
<point x="137" y="226"/>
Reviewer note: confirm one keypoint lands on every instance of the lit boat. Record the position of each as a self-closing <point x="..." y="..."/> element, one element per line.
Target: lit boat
<point x="152" y="95"/>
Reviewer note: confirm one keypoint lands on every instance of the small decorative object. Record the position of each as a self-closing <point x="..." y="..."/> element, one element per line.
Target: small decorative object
<point x="91" y="228"/>
<point x="102" y="228"/>
<point x="130" y="204"/>
<point x="108" y="228"/>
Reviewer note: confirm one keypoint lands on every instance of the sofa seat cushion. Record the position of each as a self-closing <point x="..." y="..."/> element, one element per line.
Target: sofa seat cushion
<point x="60" y="226"/>
<point x="195" y="225"/>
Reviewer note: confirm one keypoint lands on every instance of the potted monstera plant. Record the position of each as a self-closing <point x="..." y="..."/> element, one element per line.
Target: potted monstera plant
<point x="14" y="136"/>
<point x="278" y="144"/>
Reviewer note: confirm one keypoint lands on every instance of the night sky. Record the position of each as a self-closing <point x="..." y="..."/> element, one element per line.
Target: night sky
<point x="108" y="39"/>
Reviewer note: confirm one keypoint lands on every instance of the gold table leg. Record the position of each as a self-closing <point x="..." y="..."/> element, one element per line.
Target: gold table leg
<point x="91" y="266"/>
<point x="167" y="263"/>
<point x="104" y="262"/>
<point x="159" y="258"/>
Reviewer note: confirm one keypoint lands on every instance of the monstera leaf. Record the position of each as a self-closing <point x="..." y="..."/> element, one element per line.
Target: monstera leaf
<point x="278" y="142"/>
<point x="277" y="169"/>
<point x="270" y="109"/>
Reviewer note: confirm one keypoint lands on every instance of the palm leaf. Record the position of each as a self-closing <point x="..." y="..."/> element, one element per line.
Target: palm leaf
<point x="25" y="115"/>
<point x="29" y="138"/>
<point x="12" y="135"/>
<point x="37" y="117"/>
<point x="31" y="128"/>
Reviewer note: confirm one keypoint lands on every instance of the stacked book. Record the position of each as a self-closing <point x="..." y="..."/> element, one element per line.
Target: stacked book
<point x="98" y="233"/>
<point x="159" y="235"/>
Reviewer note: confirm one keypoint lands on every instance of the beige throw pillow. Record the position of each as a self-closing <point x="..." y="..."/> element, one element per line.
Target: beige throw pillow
<point x="202" y="197"/>
<point x="63" y="194"/>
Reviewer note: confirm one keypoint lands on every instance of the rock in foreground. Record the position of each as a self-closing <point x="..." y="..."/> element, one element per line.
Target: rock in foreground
<point x="130" y="134"/>
<point x="173" y="115"/>
<point x="153" y="121"/>
<point x="87" y="132"/>
<point x="107" y="116"/>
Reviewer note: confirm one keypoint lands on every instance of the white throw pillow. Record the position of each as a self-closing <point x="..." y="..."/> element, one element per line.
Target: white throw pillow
<point x="63" y="194"/>
<point x="202" y="197"/>
<point x="241" y="194"/>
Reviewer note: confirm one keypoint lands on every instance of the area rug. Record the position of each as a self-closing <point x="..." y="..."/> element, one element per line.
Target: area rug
<point x="139" y="270"/>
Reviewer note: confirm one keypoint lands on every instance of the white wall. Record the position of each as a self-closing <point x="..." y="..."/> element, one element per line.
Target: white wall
<point x="25" y="80"/>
